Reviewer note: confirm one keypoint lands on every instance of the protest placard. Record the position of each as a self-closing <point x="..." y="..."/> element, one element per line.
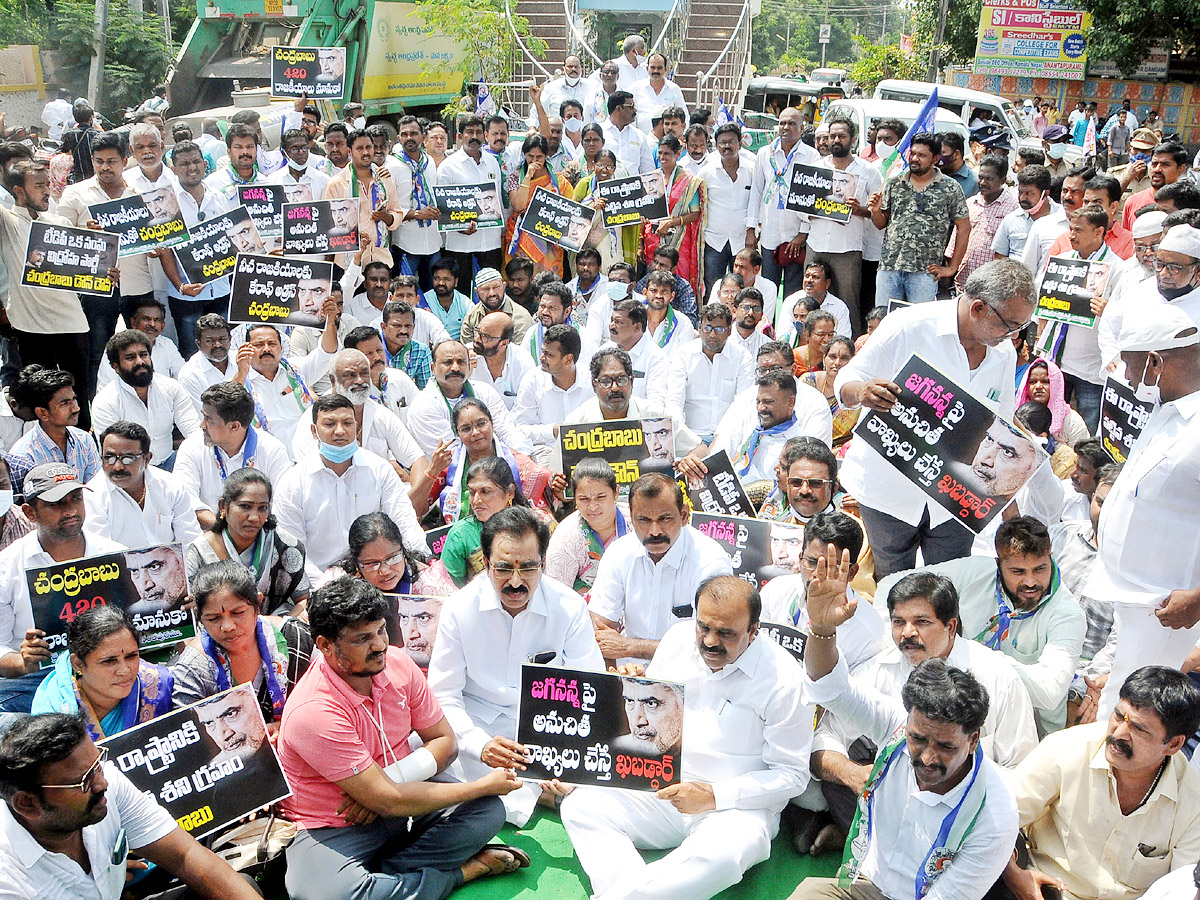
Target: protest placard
<point x="622" y="443"/>
<point x="70" y="259"/>
<point x="436" y="539"/>
<point x="322" y="226"/>
<point x="638" y="198"/>
<point x="749" y="543"/>
<point x="1122" y="418"/>
<point x="558" y="220"/>
<point x="821" y="192"/>
<point x="1067" y="288"/>
<point x="143" y="221"/>
<point x="215" y="243"/>
<point x="720" y="491"/>
<point x="951" y="445"/>
<point x="271" y="290"/>
<point x="412" y="624"/>
<point x="264" y="202"/>
<point x="790" y="639"/>
<point x="208" y="764"/>
<point x="318" y="72"/>
<point x="600" y="729"/>
<point x="461" y="204"/>
<point x="150" y="583"/>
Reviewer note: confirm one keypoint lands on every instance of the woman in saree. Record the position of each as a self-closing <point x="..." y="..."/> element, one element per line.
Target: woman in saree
<point x="103" y="677"/>
<point x="579" y="542"/>
<point x="535" y="172"/>
<point x="591" y="139"/>
<point x="683" y="228"/>
<point x="377" y="554"/>
<point x="838" y="354"/>
<point x="620" y="243"/>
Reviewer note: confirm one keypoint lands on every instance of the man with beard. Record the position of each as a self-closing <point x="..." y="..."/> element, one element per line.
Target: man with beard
<point x="390" y="386"/>
<point x="1131" y="798"/>
<point x="319" y="498"/>
<point x="1047" y="229"/>
<point x="133" y="504"/>
<point x="1177" y="273"/>
<point x="54" y="504"/>
<point x="337" y="148"/>
<point x="552" y="392"/>
<point x="589" y="290"/>
<point x="746" y="306"/>
<point x="150" y="318"/>
<point x="627" y="330"/>
<point x="1033" y="198"/>
<point x="516" y="608"/>
<point x="159" y="576"/>
<point x="75" y="817"/>
<point x="445" y="301"/>
<point x="1168" y="163"/>
<point x="654" y="711"/>
<point x="379" y="206"/>
<point x="156" y="402"/>
<point x="987" y="208"/>
<point x="211" y="363"/>
<point x="649" y="577"/>
<point x="556" y="306"/>
<point x="818" y="279"/>
<point x="474" y="247"/>
<point x="1019" y="606"/>
<point x="375" y="815"/>
<point x="302" y="179"/>
<point x="416" y="235"/>
<point x="227" y="441"/>
<point x="1125" y="279"/>
<point x="489" y="288"/>
<point x="500" y="363"/>
<point x="241" y="166"/>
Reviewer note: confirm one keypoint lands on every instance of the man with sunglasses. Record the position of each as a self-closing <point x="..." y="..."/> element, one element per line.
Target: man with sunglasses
<point x="965" y="339"/>
<point x="513" y="615"/>
<point x="70" y="819"/>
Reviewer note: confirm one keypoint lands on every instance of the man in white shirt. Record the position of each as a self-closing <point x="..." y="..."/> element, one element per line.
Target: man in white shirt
<point x="552" y="392"/>
<point x="1148" y="560"/>
<point x="728" y="176"/>
<point x="240" y="167"/>
<point x="475" y="247"/>
<point x="748" y="263"/>
<point x="593" y="305"/>
<point x="500" y="363"/>
<point x="414" y="174"/>
<point x="139" y="394"/>
<point x="668" y="329"/>
<point x="390" y="386"/>
<point x="58" y="114"/>
<point x="603" y="82"/>
<point x="301" y="178"/>
<point x="150" y="318"/>
<point x="1033" y="196"/>
<point x="211" y="363"/>
<point x="280" y="386"/>
<point x="429" y="418"/>
<point x="708" y="372"/>
<point x="747" y="309"/>
<point x="747" y="727"/>
<point x="648" y="577"/>
<point x="1047" y="229"/>
<point x="70" y="819"/>
<point x="627" y="328"/>
<point x="319" y="498"/>
<point x="818" y="278"/>
<point x="624" y="138"/>
<point x="135" y="505"/>
<point x="556" y="306"/>
<point x="968" y="341"/>
<point x="227" y="441"/>
<point x="631" y="64"/>
<point x="571" y="86"/>
<point x="656" y="93"/>
<point x="511" y="615"/>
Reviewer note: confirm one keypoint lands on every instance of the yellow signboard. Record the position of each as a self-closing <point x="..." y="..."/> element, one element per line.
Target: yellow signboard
<point x="1032" y="38"/>
<point x="407" y="59"/>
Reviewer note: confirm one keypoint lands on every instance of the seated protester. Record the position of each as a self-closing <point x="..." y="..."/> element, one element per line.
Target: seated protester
<point x="323" y="493"/>
<point x="649" y="578"/>
<point x="747" y="728"/>
<point x="212" y="363"/>
<point x="747" y="265"/>
<point x="874" y="316"/>
<point x="227" y="441"/>
<point x="444" y="301"/>
<point x="749" y="327"/>
<point x="367" y="286"/>
<point x="627" y="330"/>
<point x="428" y="330"/>
<point x="156" y="402"/>
<point x="556" y="306"/>
<point x="54" y="504"/>
<point x="681" y="296"/>
<point x="150" y="318"/>
<point x="1090" y="458"/>
<point x="783" y="597"/>
<point x="499" y="362"/>
<point x="1043" y="383"/>
<point x="429" y="418"/>
<point x="1020" y="607"/>
<point x="279" y="385"/>
<point x="707" y="373"/>
<point x="589" y="291"/>
<point x="476" y="440"/>
<point x="50" y="395"/>
<point x="1110" y="807"/>
<point x="237" y="644"/>
<point x="838" y="352"/>
<point x="1074" y="546"/>
<point x="753" y="443"/>
<point x="930" y="758"/>
<point x="518" y="281"/>
<point x="73" y="846"/>
<point x="1037" y="419"/>
<point x="14" y="523"/>
<point x="622" y="274"/>
<point x="513" y="614"/>
<point x="402" y="350"/>
<point x="246" y="531"/>
<point x="102" y="678"/>
<point x="303" y="339"/>
<point x="489" y="288"/>
<point x="134" y="504"/>
<point x="667" y="328"/>
<point x="612" y="381"/>
<point x="552" y="392"/>
<point x="345" y="745"/>
<point x="390" y="387"/>
<point x="813" y="334"/>
<point x="579" y="541"/>
<point x="818" y="278"/>
<point x="377" y="555"/>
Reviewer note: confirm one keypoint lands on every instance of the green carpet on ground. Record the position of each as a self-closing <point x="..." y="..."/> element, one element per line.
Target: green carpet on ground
<point x="555" y="871"/>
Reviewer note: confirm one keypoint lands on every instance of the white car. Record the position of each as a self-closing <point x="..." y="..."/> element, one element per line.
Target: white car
<point x="863" y="112"/>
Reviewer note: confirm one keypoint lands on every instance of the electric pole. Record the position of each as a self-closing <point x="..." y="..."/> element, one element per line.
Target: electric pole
<point x="935" y="54"/>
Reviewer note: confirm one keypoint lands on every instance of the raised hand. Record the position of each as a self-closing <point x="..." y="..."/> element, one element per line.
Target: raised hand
<point x="829" y="601"/>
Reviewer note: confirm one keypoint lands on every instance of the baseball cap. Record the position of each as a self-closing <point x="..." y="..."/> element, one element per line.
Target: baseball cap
<point x="1054" y="133"/>
<point x="1161" y="327"/>
<point x="486" y="276"/>
<point x="51" y="482"/>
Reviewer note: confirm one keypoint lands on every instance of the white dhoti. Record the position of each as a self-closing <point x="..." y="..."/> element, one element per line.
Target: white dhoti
<point x="1142" y="640"/>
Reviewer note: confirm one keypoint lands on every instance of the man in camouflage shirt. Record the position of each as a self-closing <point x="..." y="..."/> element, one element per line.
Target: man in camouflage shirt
<point x="921" y="206"/>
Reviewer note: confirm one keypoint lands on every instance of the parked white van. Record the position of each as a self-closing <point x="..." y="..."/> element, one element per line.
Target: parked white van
<point x="964" y="103"/>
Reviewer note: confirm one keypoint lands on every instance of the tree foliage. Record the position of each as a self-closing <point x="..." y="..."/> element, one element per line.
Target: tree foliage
<point x="879" y="61"/>
<point x="961" y="32"/>
<point x="23" y="22"/>
<point x="776" y="50"/>
<point x="1126" y="32"/>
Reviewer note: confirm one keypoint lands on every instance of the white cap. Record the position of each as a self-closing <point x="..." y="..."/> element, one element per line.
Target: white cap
<point x="1159" y="327"/>
<point x="1148" y="224"/>
<point x="1182" y="239"/>
<point x="823" y="128"/>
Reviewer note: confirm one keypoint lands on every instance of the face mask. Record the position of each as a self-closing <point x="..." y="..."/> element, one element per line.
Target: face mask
<point x="573" y="126"/>
<point x="571" y="81"/>
<point x="1057" y="151"/>
<point x="6" y="501"/>
<point x="360" y="123"/>
<point x="617" y="291"/>
<point x="1140" y="157"/>
<point x="1037" y="207"/>
<point x="1148" y="393"/>
<point x="301" y="167"/>
<point x="338" y="454"/>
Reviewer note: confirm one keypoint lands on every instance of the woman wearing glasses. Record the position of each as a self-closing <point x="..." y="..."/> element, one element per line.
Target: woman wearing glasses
<point x="245" y="531"/>
<point x="582" y="537"/>
<point x="621" y="242"/>
<point x="838" y="352"/>
<point x="103" y="678"/>
<point x="377" y="555"/>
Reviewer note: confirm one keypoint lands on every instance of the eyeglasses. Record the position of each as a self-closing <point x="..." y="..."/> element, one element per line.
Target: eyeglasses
<point x="714" y="329"/>
<point x="606" y="381"/>
<point x="806" y="483"/>
<point x="1146" y="248"/>
<point x="487" y="338"/>
<point x="125" y="459"/>
<point x="750" y="307"/>
<point x="392" y="562"/>
<point x="1012" y="329"/>
<point x="506" y="570"/>
<point x="1171" y="268"/>
<point x="88" y="781"/>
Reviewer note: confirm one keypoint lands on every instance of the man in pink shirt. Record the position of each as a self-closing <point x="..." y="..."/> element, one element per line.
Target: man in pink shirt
<point x="356" y="785"/>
